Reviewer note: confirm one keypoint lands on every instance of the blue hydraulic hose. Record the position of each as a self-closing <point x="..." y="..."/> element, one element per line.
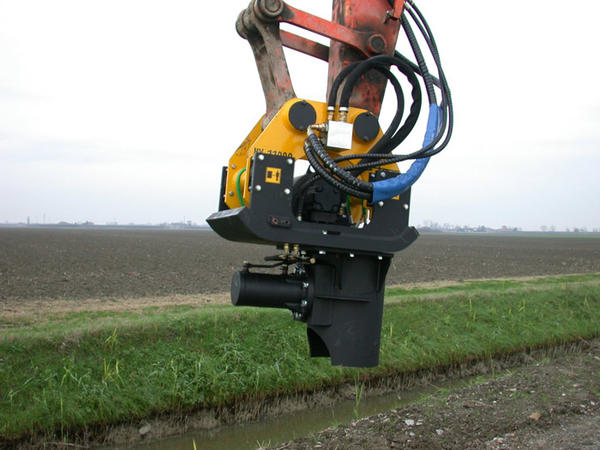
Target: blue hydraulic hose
<point x="385" y="189"/>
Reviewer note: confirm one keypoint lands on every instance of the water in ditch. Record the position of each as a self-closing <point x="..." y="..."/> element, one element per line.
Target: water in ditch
<point x="282" y="428"/>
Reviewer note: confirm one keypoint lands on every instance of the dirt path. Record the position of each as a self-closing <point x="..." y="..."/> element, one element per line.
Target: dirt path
<point x="549" y="403"/>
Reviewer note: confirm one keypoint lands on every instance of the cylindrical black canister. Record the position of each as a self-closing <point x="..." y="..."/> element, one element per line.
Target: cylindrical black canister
<point x="264" y="289"/>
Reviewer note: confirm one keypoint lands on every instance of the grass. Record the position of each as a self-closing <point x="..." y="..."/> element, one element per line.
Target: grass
<point x="81" y="371"/>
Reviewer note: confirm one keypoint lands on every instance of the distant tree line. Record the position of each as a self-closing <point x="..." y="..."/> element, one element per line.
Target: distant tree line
<point x="435" y="227"/>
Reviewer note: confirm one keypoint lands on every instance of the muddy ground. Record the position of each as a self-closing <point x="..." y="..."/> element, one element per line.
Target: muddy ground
<point x="547" y="403"/>
<point x="40" y="264"/>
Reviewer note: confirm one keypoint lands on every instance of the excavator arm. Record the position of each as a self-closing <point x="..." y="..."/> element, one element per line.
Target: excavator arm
<point x="338" y="224"/>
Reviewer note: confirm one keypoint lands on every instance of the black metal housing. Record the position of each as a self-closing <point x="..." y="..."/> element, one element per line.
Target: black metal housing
<point x="270" y="218"/>
<point x="339" y="285"/>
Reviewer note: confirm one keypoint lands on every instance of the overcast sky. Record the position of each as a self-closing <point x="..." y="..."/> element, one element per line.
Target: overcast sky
<point x="126" y="110"/>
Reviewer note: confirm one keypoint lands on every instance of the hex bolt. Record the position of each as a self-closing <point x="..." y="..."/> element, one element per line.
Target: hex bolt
<point x="383" y="174"/>
<point x="286" y="191"/>
<point x="233" y="166"/>
<point x="261" y="156"/>
<point x="258" y="187"/>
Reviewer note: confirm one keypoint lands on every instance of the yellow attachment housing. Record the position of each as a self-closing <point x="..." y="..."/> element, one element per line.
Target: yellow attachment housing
<point x="282" y="139"/>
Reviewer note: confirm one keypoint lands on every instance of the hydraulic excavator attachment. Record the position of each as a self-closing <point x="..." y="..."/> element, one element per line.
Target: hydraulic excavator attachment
<point x="337" y="225"/>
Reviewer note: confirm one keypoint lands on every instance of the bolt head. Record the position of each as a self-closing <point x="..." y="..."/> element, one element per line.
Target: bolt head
<point x="287" y="191"/>
<point x="380" y="203"/>
<point x="261" y="156"/>
<point x="405" y="206"/>
<point x="270" y="8"/>
<point x="290" y="161"/>
<point x="321" y="252"/>
<point x="258" y="187"/>
<point x="376" y="43"/>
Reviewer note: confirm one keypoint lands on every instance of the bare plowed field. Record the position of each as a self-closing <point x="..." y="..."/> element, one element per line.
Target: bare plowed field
<point x="87" y="263"/>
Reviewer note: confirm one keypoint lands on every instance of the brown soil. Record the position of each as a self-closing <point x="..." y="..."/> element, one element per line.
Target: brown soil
<point x="40" y="264"/>
<point x="545" y="404"/>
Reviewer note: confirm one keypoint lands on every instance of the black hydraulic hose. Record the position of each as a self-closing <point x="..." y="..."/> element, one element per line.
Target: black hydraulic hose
<point x="406" y="70"/>
<point x="346" y="177"/>
<point x="335" y="86"/>
<point x="428" y="34"/>
<point x="312" y="159"/>
<point x="448" y="111"/>
<point x="383" y="142"/>
<point x="360" y="69"/>
<point x="415" y="68"/>
<point x="420" y="60"/>
<point x="413" y="114"/>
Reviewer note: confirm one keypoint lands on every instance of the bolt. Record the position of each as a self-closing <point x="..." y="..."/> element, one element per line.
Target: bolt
<point x="376" y="43"/>
<point x="380" y="258"/>
<point x="321" y="252"/>
<point x="230" y="193"/>
<point x="380" y="203"/>
<point x="303" y="303"/>
<point x="405" y="206"/>
<point x="324" y="232"/>
<point x="287" y="191"/>
<point x="299" y="218"/>
<point x="258" y="187"/>
<point x="261" y="156"/>
<point x="270" y="8"/>
<point x="233" y="166"/>
<point x="305" y="284"/>
<point x="351" y="255"/>
<point x="383" y="174"/>
<point x="290" y="161"/>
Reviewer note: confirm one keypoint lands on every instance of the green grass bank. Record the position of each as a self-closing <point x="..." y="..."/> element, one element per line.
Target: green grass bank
<point x="74" y="373"/>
